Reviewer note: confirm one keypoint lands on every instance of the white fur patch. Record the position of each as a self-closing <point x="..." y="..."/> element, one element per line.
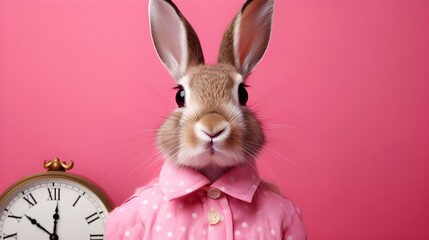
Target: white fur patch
<point x="199" y="158"/>
<point x="238" y="79"/>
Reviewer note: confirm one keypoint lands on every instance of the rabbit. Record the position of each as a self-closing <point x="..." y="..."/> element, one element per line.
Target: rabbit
<point x="209" y="187"/>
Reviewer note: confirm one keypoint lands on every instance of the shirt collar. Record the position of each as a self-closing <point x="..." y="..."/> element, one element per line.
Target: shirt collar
<point x="240" y="182"/>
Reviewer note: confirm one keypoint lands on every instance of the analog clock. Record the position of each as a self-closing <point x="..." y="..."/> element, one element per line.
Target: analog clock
<point x="54" y="205"/>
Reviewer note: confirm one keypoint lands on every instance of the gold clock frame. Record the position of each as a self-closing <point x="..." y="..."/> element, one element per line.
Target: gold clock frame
<point x="56" y="171"/>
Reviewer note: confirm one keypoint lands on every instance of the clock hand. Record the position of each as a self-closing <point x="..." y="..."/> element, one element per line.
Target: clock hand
<point x="56" y="216"/>
<point x="34" y="222"/>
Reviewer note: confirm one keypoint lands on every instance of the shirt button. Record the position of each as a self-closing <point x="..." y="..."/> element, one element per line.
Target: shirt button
<point x="213" y="217"/>
<point x="214" y="193"/>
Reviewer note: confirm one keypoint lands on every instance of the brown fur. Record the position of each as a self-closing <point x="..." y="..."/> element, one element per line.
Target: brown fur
<point x="167" y="135"/>
<point x="226" y="50"/>
<point x="212" y="88"/>
<point x="211" y="85"/>
<point x="254" y="137"/>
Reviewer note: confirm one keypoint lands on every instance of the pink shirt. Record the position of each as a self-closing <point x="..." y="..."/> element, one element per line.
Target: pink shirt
<point x="184" y="205"/>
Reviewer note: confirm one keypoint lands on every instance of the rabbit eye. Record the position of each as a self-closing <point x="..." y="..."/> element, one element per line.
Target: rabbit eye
<point x="243" y="96"/>
<point x="180" y="97"/>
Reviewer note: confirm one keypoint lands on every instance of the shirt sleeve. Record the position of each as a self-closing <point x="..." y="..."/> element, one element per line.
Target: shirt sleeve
<point x="124" y="222"/>
<point x="295" y="229"/>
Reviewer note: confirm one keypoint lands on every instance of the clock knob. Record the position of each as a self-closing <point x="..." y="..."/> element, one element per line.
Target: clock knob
<point x="57" y="165"/>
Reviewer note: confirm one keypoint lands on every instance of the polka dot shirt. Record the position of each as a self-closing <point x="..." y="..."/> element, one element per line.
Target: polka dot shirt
<point x="183" y="204"/>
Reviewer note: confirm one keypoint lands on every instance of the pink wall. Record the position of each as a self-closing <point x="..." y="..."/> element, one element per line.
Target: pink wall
<point x="343" y="91"/>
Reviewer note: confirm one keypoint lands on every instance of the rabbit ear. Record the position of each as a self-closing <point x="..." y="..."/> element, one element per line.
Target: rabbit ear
<point x="175" y="40"/>
<point x="246" y="38"/>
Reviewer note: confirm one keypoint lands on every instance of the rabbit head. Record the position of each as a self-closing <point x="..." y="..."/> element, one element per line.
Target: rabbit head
<point x="212" y="128"/>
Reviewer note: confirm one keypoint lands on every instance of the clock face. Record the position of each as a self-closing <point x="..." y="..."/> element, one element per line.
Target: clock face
<point x="52" y="209"/>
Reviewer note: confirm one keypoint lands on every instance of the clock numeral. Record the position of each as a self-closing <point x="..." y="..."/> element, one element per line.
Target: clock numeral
<point x="54" y="194"/>
<point x="96" y="237"/>
<point x="75" y="202"/>
<point x="18" y="218"/>
<point x="14" y="235"/>
<point x="30" y="199"/>
<point x="93" y="217"/>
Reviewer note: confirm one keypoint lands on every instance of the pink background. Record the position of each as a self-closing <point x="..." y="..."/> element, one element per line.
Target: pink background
<point x="343" y="92"/>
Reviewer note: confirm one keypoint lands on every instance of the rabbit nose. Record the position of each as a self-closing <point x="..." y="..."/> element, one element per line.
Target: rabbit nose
<point x="212" y="127"/>
<point x="215" y="134"/>
<point x="218" y="134"/>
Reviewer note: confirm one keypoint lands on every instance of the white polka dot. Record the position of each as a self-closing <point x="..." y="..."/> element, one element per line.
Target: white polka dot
<point x="289" y="238"/>
<point x="188" y="190"/>
<point x="181" y="206"/>
<point x="211" y="228"/>
<point x="253" y="176"/>
<point x="259" y="229"/>
<point x="181" y="183"/>
<point x="158" y="228"/>
<point x="155" y="207"/>
<point x="165" y="198"/>
<point x="222" y="188"/>
<point x="127" y="233"/>
<point x="244" y="224"/>
<point x="273" y="232"/>
<point x="153" y="192"/>
<point x="169" y="234"/>
<point x="232" y="179"/>
<point x="169" y="215"/>
<point x="194" y="215"/>
<point x="237" y="233"/>
<point x="145" y="202"/>
<point x="182" y="229"/>
<point x="121" y="209"/>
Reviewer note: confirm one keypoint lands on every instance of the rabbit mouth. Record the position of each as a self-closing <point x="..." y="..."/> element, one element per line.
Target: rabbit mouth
<point x="213" y="157"/>
<point x="210" y="148"/>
